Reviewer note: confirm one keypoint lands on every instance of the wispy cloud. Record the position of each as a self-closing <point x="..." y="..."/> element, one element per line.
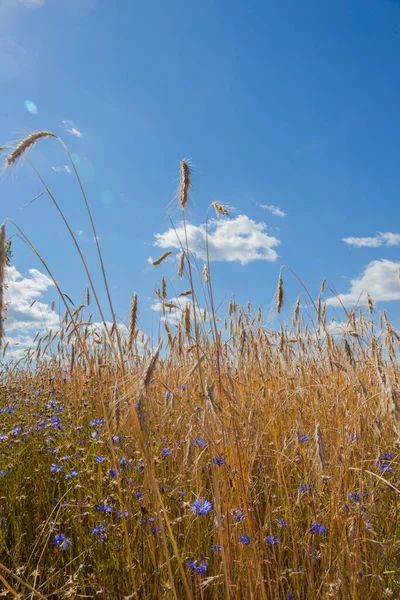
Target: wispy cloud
<point x="69" y="127"/>
<point x="382" y="239"/>
<point x="240" y="239"/>
<point x="380" y="279"/>
<point x="62" y="169"/>
<point x="275" y="210"/>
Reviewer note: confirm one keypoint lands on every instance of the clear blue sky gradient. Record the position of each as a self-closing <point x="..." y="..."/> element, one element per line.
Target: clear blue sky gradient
<point x="276" y="102"/>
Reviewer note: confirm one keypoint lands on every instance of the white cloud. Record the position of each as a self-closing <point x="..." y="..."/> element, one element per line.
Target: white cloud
<point x="382" y="239"/>
<point x="275" y="210"/>
<point x="26" y="314"/>
<point x="240" y="239"/>
<point x="174" y="315"/>
<point x="22" y="315"/>
<point x="62" y="169"/>
<point x="380" y="279"/>
<point x="69" y="127"/>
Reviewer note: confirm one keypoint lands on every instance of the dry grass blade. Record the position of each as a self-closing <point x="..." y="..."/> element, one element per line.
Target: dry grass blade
<point x="161" y="258"/>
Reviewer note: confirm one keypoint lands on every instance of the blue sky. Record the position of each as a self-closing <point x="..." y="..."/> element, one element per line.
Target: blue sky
<point x="284" y="103"/>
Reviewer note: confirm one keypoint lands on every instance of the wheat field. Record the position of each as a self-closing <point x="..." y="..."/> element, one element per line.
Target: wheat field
<point x="225" y="460"/>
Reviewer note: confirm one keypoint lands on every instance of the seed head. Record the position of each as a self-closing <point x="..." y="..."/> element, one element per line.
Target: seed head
<point x="185" y="183"/>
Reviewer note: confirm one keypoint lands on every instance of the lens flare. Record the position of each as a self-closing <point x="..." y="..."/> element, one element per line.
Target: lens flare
<point x="107" y="197"/>
<point x="76" y="159"/>
<point x="31" y="107"/>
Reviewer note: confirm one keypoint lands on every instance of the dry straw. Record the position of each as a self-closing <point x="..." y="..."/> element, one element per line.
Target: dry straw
<point x="25" y="145"/>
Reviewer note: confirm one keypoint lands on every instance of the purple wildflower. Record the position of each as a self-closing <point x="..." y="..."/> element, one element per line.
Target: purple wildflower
<point x="201" y="507"/>
<point x="245" y="540"/>
<point x="272" y="540"/>
<point x="197" y="567"/>
<point x="317" y="528"/>
<point x="62" y="541"/>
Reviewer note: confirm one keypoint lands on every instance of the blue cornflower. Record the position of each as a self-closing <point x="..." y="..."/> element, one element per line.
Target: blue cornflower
<point x="354" y="436"/>
<point x="201" y="507"/>
<point x="116" y="439"/>
<point x="289" y="596"/>
<point x="197" y="567"/>
<point x="155" y="530"/>
<point x="119" y="513"/>
<point x="3" y="473"/>
<point x="56" y="468"/>
<point x="96" y="422"/>
<point x="105" y="508"/>
<point x="245" y="540"/>
<point x="303" y="437"/>
<point x="95" y="434"/>
<point x="112" y="473"/>
<point x="99" y="529"/>
<point x="383" y="467"/>
<point x="386" y="456"/>
<point x="216" y="548"/>
<point x="282" y="523"/>
<point x="138" y="495"/>
<point x="64" y="379"/>
<point x="3" y="437"/>
<point x="168" y="394"/>
<point x="166" y="452"/>
<point x="305" y="488"/>
<point x="355" y="497"/>
<point x="219" y="460"/>
<point x="183" y="387"/>
<point x="317" y="528"/>
<point x="272" y="540"/>
<point x="71" y="474"/>
<point x="238" y="515"/>
<point x="99" y="459"/>
<point x="140" y="467"/>
<point x="62" y="541"/>
<point x="123" y="461"/>
<point x="201" y="442"/>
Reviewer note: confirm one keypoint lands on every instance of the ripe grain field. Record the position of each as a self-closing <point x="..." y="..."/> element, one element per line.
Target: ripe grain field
<point x="226" y="460"/>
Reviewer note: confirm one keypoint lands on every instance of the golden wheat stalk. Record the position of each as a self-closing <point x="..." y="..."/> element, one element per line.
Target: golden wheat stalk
<point x="181" y="264"/>
<point x="25" y="144"/>
<point x="219" y="208"/>
<point x="161" y="258"/>
<point x="185" y="183"/>
<point x="279" y="294"/>
<point x="133" y="319"/>
<point x="3" y="260"/>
